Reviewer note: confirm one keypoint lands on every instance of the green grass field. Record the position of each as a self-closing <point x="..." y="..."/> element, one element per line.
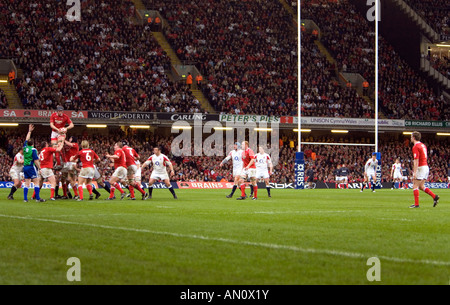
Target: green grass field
<point x="296" y="237"/>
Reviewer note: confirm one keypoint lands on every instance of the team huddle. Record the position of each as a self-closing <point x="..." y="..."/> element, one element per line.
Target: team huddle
<point x="57" y="163"/>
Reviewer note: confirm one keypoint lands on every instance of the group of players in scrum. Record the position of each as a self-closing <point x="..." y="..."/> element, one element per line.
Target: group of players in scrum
<point x="61" y="156"/>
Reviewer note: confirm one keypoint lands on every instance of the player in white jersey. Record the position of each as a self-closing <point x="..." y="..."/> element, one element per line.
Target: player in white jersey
<point x="264" y="168"/>
<point x="159" y="162"/>
<point x="396" y="174"/>
<point x="238" y="164"/>
<point x="16" y="173"/>
<point x="369" y="172"/>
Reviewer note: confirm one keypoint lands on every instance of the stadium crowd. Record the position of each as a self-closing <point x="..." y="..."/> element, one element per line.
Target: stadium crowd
<point x="322" y="159"/>
<point x="105" y="62"/>
<point x="441" y="64"/>
<point x="435" y="12"/>
<point x="350" y="38"/>
<point x="247" y="53"/>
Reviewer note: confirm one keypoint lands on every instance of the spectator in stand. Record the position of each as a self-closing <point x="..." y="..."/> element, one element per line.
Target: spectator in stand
<point x="3" y="101"/>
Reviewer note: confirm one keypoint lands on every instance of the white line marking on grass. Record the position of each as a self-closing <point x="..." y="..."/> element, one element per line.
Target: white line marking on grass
<point x="89" y="215"/>
<point x="241" y="242"/>
<point x="394" y="219"/>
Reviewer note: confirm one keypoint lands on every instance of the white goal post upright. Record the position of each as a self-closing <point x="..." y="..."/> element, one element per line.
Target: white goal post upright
<point x="299" y="156"/>
<point x="377" y="18"/>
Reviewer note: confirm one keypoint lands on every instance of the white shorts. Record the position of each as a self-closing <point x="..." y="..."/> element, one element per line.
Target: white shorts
<point x="15" y="175"/>
<point x="422" y="172"/>
<point x="248" y="173"/>
<point x="405" y="178"/>
<point x="159" y="176"/>
<point x="398" y="176"/>
<point x="46" y="173"/>
<point x="69" y="167"/>
<point x="121" y="173"/>
<point x="131" y="171"/>
<point x="338" y="178"/>
<point x="87" y="173"/>
<point x="137" y="176"/>
<point x="96" y="174"/>
<point x="56" y="135"/>
<point x="237" y="171"/>
<point x="343" y="178"/>
<point x="370" y="174"/>
<point x="262" y="174"/>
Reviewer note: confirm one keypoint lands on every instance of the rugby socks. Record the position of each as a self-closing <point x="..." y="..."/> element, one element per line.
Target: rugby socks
<point x="107" y="188"/>
<point x="429" y="192"/>
<point x="255" y="191"/>
<point x="268" y="190"/>
<point x="74" y="187"/>
<point x="25" y="192"/>
<point x="52" y="192"/>
<point x="373" y="186"/>
<point x="117" y="186"/>
<point x="80" y="191"/>
<point x="150" y="190"/>
<point x="234" y="189"/>
<point x="37" y="191"/>
<point x="251" y="190"/>
<point x="139" y="188"/>
<point x="94" y="190"/>
<point x="64" y="186"/>
<point x="243" y="190"/>
<point x="363" y="187"/>
<point x="13" y="190"/>
<point x="131" y="189"/>
<point x="111" y="193"/>
<point x="172" y="191"/>
<point x="416" y="197"/>
<point x="56" y="189"/>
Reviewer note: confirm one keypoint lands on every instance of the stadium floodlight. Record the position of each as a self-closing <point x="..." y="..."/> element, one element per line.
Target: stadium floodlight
<point x="96" y="126"/>
<point x="407" y="133"/>
<point x="140" y="126"/>
<point x="443" y="45"/>
<point x="3" y="81"/>
<point x="9" y="124"/>
<point x="263" y="129"/>
<point x="339" y="131"/>
<point x="181" y="127"/>
<point x="302" y="130"/>
<point x="223" y="128"/>
<point x="445" y="134"/>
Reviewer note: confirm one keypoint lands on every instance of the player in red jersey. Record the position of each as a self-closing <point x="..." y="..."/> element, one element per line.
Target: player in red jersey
<point x="69" y="171"/>
<point x="421" y="170"/>
<point x="132" y="157"/>
<point x="120" y="163"/>
<point x="46" y="172"/>
<point x="249" y="171"/>
<point x="58" y="122"/>
<point x="87" y="157"/>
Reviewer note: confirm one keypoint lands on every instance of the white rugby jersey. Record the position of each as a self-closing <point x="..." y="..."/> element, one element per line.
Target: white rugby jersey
<point x="16" y="166"/>
<point x="397" y="167"/>
<point x="159" y="163"/>
<point x="236" y="156"/>
<point x="262" y="161"/>
<point x="371" y="165"/>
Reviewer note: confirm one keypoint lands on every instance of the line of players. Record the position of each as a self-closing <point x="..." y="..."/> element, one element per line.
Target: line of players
<point x="399" y="175"/>
<point x="58" y="162"/>
<point x="247" y="165"/>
